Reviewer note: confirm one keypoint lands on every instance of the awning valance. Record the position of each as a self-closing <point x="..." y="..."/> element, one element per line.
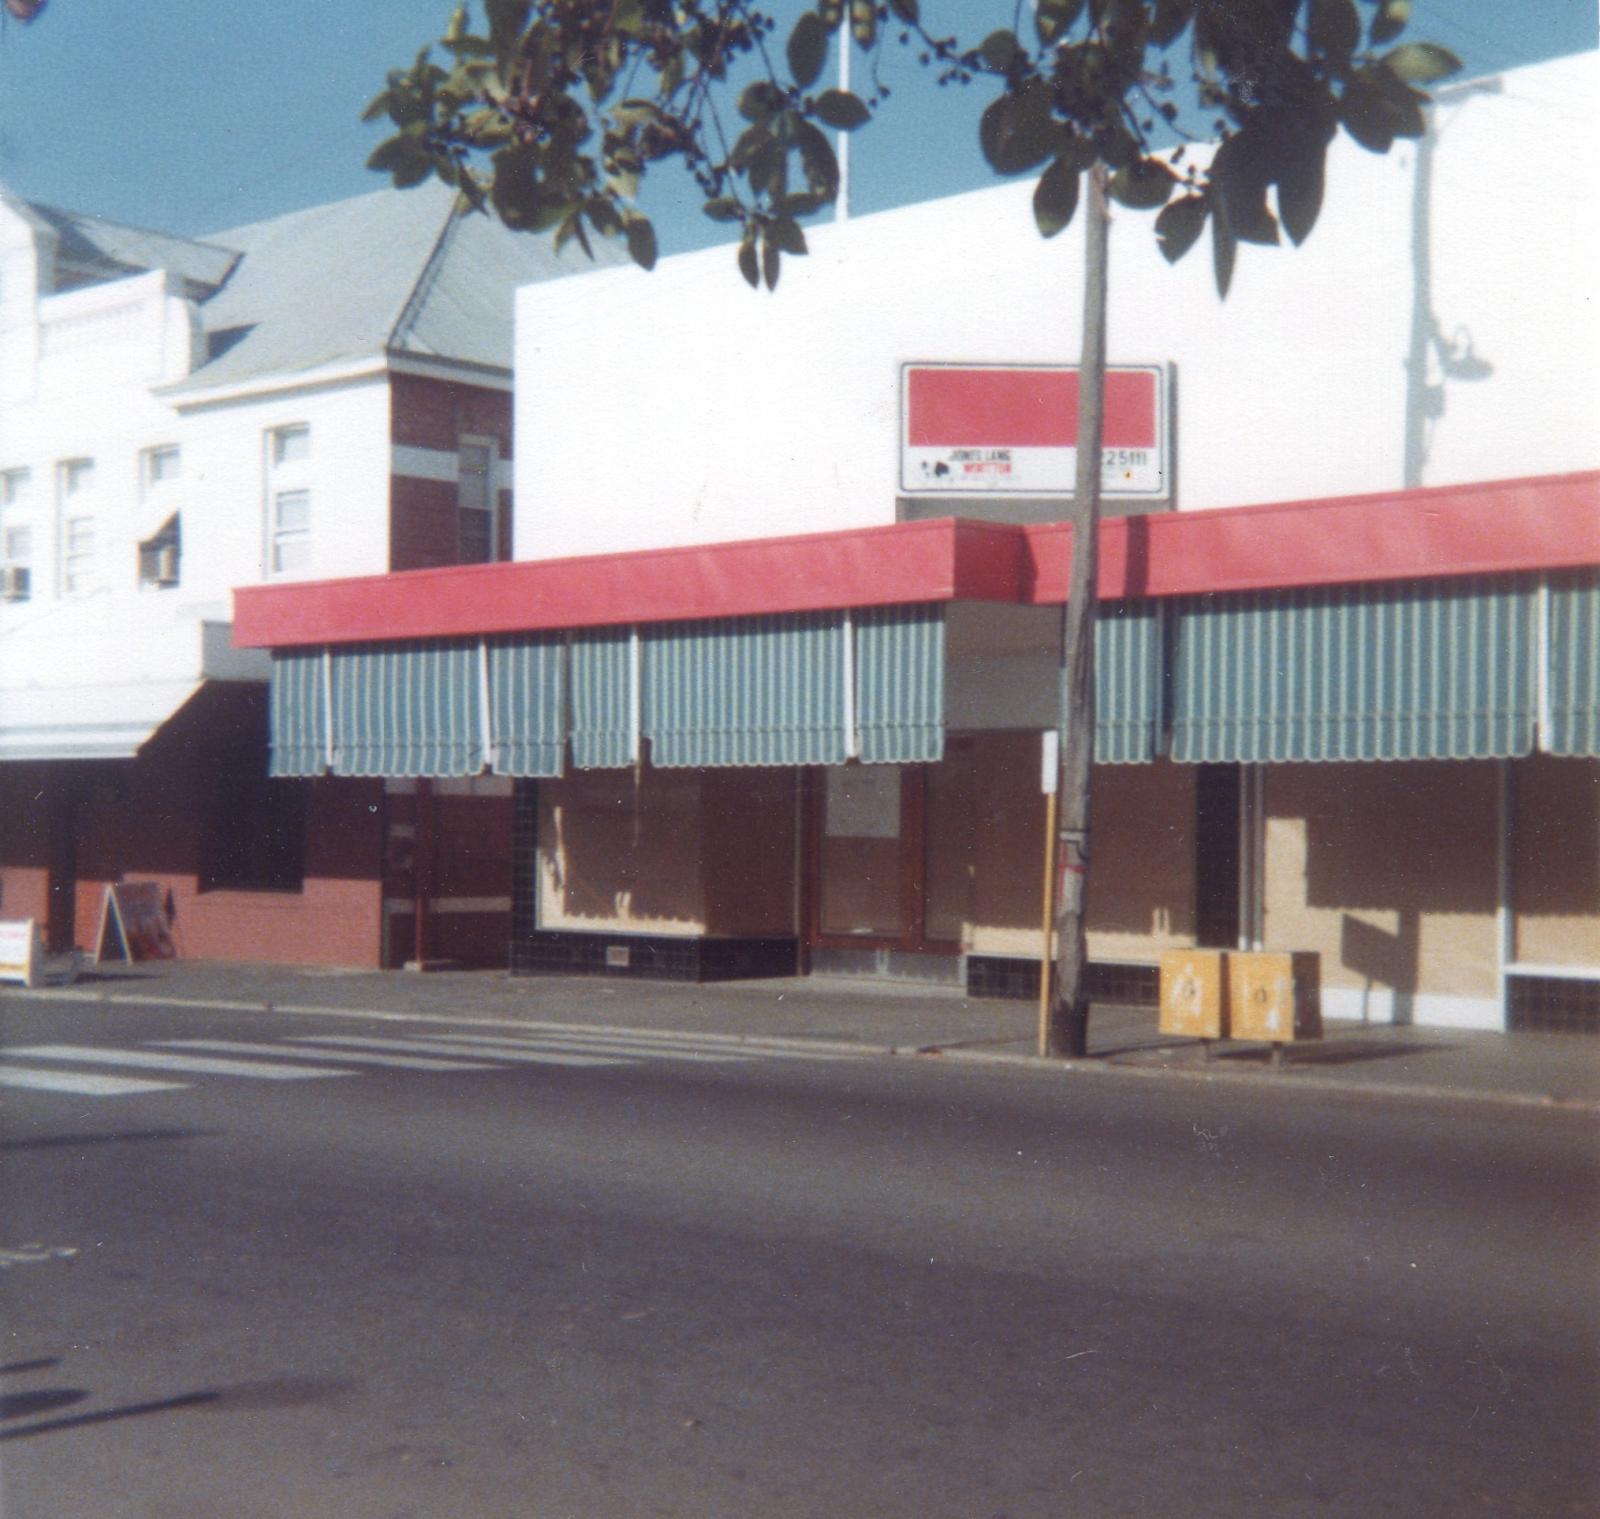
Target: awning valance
<point x="605" y="699"/>
<point x="1128" y="668"/>
<point x="407" y="709"/>
<point x="527" y="731"/>
<point x="1433" y="670"/>
<point x="899" y="677"/>
<point x="1572" y="668"/>
<point x="746" y="691"/>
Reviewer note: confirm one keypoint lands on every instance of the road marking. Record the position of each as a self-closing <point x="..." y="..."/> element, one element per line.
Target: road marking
<point x="286" y="1052"/>
<point x="196" y="1064"/>
<point x="82" y="1083"/>
<point x="602" y="1046"/>
<point x="33" y="1255"/>
<point x="521" y="1055"/>
<point x="652" y="1043"/>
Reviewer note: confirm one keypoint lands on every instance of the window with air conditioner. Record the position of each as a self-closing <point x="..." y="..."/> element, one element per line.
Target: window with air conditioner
<point x="159" y="556"/>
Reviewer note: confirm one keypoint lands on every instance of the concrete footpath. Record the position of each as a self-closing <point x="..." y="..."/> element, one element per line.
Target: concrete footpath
<point x="1521" y="1069"/>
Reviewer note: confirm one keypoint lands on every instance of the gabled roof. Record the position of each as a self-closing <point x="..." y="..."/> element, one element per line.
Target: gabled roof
<point x="391" y="272"/>
<point x="396" y="271"/>
<point x="90" y="249"/>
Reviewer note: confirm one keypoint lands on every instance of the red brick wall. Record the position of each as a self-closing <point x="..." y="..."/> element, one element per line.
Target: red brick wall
<point x="145" y="820"/>
<point x="437" y="414"/>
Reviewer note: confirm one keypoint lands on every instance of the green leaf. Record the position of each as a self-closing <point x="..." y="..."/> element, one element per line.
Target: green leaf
<point x="641" y="241"/>
<point x="1300" y="186"/>
<point x="785" y="234"/>
<point x="761" y="101"/>
<point x="863" y="24"/>
<point x="808" y="49"/>
<point x="906" y="11"/>
<point x="1335" y="29"/>
<point x="1179" y="226"/>
<point x="1367" y="116"/>
<point x="724" y="209"/>
<point x="1389" y="22"/>
<point x="1421" y="63"/>
<point x="376" y="107"/>
<point x="819" y="161"/>
<point x="841" y="110"/>
<point x="404" y="156"/>
<point x="771" y="263"/>
<point x="1000" y="50"/>
<point x="1144" y="185"/>
<point x="1170" y="19"/>
<point x="751" y="141"/>
<point x="1017" y="132"/>
<point x="830" y="13"/>
<point x="1052" y="18"/>
<point x="807" y="204"/>
<point x="1055" y="197"/>
<point x="747" y="263"/>
<point x="1224" y="247"/>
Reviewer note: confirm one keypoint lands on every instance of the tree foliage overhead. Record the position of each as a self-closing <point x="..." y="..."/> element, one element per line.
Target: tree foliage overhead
<point x="554" y="111"/>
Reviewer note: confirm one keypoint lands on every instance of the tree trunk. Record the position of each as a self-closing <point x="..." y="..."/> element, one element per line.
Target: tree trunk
<point x="1068" y="1030"/>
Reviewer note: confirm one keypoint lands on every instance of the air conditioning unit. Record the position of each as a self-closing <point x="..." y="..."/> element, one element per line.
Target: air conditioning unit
<point x="166" y="565"/>
<point x="16" y="581"/>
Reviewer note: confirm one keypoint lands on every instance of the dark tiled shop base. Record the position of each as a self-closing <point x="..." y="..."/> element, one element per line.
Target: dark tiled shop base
<point x="651" y="957"/>
<point x="1553" y="1004"/>
<point x="1002" y="976"/>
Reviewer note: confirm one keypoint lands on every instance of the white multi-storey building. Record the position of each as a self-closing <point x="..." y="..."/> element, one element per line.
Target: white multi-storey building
<point x="323" y="394"/>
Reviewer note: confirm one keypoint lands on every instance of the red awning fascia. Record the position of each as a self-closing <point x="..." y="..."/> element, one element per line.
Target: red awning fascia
<point x="900" y="564"/>
<point x="1500" y="527"/>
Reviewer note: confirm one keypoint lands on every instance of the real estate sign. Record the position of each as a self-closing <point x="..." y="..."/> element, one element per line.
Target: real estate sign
<point x="972" y="429"/>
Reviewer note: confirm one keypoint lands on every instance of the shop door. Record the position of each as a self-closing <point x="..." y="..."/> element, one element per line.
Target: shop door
<point x="869" y="859"/>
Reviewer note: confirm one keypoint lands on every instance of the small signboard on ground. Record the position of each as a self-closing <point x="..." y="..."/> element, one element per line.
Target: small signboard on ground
<point x="21" y="953"/>
<point x="133" y="924"/>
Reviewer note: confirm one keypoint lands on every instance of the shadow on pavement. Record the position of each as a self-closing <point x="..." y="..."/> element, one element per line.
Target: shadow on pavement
<point x="73" y="1141"/>
<point x="270" y="1392"/>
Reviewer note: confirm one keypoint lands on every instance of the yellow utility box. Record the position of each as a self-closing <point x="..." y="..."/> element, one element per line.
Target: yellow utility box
<point x="1194" y="993"/>
<point x="1274" y="996"/>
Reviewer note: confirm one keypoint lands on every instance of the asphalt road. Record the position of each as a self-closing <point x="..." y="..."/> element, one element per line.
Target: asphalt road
<point x="767" y="1287"/>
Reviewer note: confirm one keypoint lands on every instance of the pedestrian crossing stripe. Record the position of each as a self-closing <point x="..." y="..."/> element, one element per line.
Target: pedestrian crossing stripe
<point x="601" y="1046"/>
<point x="197" y="1065"/>
<point x="82" y="1083"/>
<point x="497" y="1052"/>
<point x="351" y="1057"/>
<point x="285" y="1060"/>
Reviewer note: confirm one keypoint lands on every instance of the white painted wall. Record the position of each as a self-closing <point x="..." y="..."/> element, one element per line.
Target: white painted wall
<point x="83" y="372"/>
<point x="681" y="407"/>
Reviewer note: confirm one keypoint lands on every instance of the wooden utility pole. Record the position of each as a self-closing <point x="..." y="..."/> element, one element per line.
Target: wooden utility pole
<point x="1069" y="1009"/>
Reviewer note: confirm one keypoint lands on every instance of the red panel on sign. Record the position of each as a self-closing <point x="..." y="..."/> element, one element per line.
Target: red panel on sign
<point x="1023" y="408"/>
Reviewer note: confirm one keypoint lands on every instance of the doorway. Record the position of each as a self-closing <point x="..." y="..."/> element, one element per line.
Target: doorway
<point x="868" y="876"/>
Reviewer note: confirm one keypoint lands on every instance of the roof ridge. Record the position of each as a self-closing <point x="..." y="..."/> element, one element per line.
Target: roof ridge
<point x="412" y="306"/>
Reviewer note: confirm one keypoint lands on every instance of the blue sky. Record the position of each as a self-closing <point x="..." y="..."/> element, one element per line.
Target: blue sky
<point x="196" y="115"/>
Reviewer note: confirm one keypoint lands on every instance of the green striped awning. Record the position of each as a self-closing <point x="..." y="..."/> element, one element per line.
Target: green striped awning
<point x="407" y="709"/>
<point x="1127" y="682"/>
<point x="297" y="713"/>
<point x="899" y="657"/>
<point x="746" y="691"/>
<point x="604" y="701"/>
<point x="1573" y="666"/>
<point x="527" y="725"/>
<point x="1418" y="670"/>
